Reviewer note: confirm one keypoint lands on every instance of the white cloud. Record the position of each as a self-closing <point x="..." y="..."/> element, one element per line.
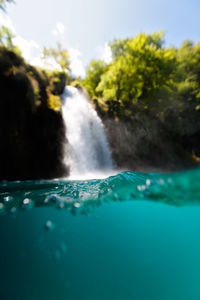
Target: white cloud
<point x="76" y="63"/>
<point x="33" y="52"/>
<point x="6" y="21"/>
<point x="47" y="63"/>
<point x="60" y="27"/>
<point x="105" y="53"/>
<point x="29" y="48"/>
<point x="59" y="30"/>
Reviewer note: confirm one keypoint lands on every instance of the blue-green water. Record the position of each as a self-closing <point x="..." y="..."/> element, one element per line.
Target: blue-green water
<point x="131" y="236"/>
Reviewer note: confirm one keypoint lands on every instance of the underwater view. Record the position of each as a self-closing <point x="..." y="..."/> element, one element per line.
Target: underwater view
<point x="128" y="236"/>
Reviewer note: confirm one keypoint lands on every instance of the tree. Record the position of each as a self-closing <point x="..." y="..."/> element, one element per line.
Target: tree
<point x="60" y="56"/>
<point x="93" y="76"/>
<point x="188" y="71"/>
<point x="118" y="47"/>
<point x="6" y="37"/>
<point x="140" y="68"/>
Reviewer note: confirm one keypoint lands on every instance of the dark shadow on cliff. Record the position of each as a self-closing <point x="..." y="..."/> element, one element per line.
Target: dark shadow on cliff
<point x="31" y="133"/>
<point x="143" y="143"/>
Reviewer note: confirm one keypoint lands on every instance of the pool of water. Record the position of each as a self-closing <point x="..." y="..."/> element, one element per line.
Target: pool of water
<point x="130" y="236"/>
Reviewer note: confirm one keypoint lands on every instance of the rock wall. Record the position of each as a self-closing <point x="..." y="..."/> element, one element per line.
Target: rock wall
<point x="144" y="145"/>
<point x="31" y="134"/>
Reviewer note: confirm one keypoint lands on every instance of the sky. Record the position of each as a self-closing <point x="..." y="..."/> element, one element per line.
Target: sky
<point x="85" y="27"/>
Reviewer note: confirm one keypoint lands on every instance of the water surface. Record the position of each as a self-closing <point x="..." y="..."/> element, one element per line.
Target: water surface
<point x="129" y="236"/>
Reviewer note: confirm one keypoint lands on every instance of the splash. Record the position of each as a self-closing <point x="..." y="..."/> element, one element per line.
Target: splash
<point x="176" y="189"/>
<point x="87" y="151"/>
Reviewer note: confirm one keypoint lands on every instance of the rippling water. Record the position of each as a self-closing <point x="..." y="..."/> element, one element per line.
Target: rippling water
<point x="129" y="236"/>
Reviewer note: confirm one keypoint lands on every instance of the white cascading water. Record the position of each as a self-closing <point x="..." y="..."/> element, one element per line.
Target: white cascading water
<point x="87" y="152"/>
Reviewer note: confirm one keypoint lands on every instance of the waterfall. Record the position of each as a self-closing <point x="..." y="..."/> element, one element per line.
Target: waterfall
<point x="87" y="151"/>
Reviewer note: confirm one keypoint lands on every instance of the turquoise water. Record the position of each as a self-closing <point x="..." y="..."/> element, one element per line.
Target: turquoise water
<point x="131" y="236"/>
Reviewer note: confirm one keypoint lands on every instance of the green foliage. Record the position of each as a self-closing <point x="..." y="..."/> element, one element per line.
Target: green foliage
<point x="188" y="72"/>
<point x="60" y="56"/>
<point x="54" y="103"/>
<point x="145" y="77"/>
<point x="118" y="47"/>
<point x="93" y="76"/>
<point x="46" y="84"/>
<point x="6" y="37"/>
<point x="137" y="72"/>
<point x="141" y="67"/>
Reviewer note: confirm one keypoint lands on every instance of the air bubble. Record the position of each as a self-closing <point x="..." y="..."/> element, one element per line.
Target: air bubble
<point x="141" y="188"/>
<point x="169" y="180"/>
<point x="77" y="205"/>
<point x="115" y="197"/>
<point x="27" y="203"/>
<point x="49" y="226"/>
<point x="46" y="200"/>
<point x="13" y="210"/>
<point x="75" y="208"/>
<point x="61" y="204"/>
<point x="54" y="199"/>
<point x="161" y="182"/>
<point x="7" y="199"/>
<point x="148" y="182"/>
